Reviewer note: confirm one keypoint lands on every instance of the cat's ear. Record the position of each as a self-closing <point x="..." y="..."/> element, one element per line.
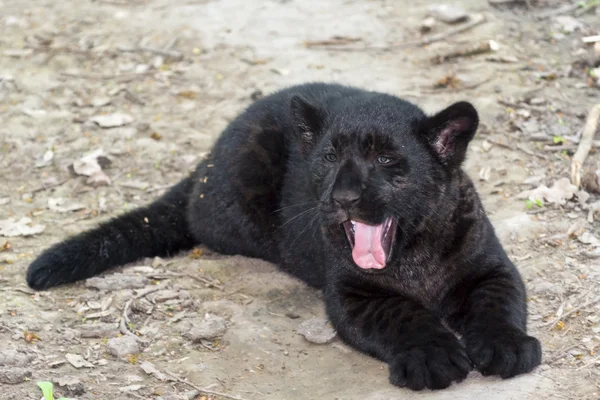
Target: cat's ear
<point x="450" y="131"/>
<point x="307" y="120"/>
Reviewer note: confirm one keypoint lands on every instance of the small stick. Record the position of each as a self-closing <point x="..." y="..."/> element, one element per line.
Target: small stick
<point x="171" y="43"/>
<point x="198" y="388"/>
<point x="197" y="278"/>
<point x="587" y="7"/>
<point x="506" y="2"/>
<point x="334" y="41"/>
<point x="119" y="78"/>
<point x="561" y="10"/>
<point x="475" y="20"/>
<point x="519" y="147"/>
<point x="50" y="186"/>
<point x="558" y="354"/>
<point x="480" y="48"/>
<point x="591" y="39"/>
<point x="133" y="97"/>
<point x="571" y="312"/>
<point x="125" y="318"/>
<point x="595" y="145"/>
<point x="530" y="153"/>
<point x="585" y="145"/>
<point x="174" y="55"/>
<point x="589" y="363"/>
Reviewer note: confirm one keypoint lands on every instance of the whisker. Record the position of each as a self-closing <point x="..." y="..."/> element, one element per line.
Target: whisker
<point x="294" y="205"/>
<point x="309" y="225"/>
<point x="295" y="217"/>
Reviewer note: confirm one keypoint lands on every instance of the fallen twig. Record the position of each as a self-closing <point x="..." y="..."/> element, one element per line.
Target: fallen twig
<point x="569" y="147"/>
<point x="479" y="48"/>
<point x="569" y="8"/>
<point x="475" y="20"/>
<point x="202" y="279"/>
<point x="49" y="186"/>
<point x="558" y="354"/>
<point x="123" y="325"/>
<point x="118" y="78"/>
<point x="507" y="2"/>
<point x="585" y="145"/>
<point x="133" y="97"/>
<point x="200" y="389"/>
<point x="587" y="7"/>
<point x="593" y="361"/>
<point x="591" y="39"/>
<point x="571" y="312"/>
<point x="334" y="41"/>
<point x="518" y="147"/>
<point x="172" y="54"/>
<point x="530" y="153"/>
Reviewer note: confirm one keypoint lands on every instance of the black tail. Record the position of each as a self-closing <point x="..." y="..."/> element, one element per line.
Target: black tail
<point x="159" y="229"/>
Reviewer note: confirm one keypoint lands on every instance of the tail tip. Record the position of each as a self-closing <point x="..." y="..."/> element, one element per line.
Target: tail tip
<point x="45" y="272"/>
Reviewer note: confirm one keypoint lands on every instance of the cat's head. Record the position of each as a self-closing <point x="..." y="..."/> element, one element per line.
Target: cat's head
<point x="378" y="167"/>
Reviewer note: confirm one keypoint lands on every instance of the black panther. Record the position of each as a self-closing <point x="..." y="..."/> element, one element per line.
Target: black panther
<point x="362" y="195"/>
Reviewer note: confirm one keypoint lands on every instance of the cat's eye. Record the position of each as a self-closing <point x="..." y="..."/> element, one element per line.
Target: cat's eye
<point x="383" y="160"/>
<point x="330" y="157"/>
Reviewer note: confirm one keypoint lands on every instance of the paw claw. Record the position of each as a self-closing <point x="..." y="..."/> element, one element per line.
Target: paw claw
<point x="433" y="365"/>
<point x="505" y="354"/>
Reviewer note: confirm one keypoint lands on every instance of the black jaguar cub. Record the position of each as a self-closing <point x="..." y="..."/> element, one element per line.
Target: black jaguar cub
<point x="357" y="193"/>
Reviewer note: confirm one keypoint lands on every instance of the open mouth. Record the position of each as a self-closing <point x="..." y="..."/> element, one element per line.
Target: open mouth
<point x="371" y="244"/>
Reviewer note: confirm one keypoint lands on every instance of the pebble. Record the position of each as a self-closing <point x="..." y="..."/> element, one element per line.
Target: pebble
<point x="13" y="376"/>
<point x="78" y="361"/>
<point x="122" y="346"/>
<point x="427" y="25"/>
<point x="12" y="358"/>
<point x="112" y="120"/>
<point x="100" y="101"/>
<point x="447" y="13"/>
<point x="317" y="330"/>
<point x="210" y="327"/>
<point x="568" y="24"/>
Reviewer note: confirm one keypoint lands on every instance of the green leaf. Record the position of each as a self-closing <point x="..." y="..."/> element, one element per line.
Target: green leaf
<point x="529" y="204"/>
<point x="539" y="203"/>
<point x="47" y="390"/>
<point x="558" y="140"/>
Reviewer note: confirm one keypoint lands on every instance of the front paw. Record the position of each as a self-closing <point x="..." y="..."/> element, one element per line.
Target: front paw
<point x="432" y="365"/>
<point x="506" y="352"/>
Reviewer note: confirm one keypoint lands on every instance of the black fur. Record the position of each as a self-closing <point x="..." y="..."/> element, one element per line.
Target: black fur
<point x="282" y="179"/>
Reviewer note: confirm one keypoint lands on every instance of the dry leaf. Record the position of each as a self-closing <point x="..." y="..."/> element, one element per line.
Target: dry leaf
<point x="78" y="361"/>
<point x="317" y="330"/>
<point x="112" y="120"/>
<point x="187" y="94"/>
<point x="150" y="369"/>
<point x="59" y="205"/>
<point x="22" y="227"/>
<point x="45" y="160"/>
<point x="6" y="246"/>
<point x="561" y="191"/>
<point x="30" y="337"/>
<point x="90" y="165"/>
<point x="196" y="254"/>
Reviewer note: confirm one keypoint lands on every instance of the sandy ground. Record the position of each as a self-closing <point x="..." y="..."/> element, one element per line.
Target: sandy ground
<point x="63" y="63"/>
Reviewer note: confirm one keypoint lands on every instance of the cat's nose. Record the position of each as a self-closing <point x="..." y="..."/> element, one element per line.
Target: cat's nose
<point x="345" y="198"/>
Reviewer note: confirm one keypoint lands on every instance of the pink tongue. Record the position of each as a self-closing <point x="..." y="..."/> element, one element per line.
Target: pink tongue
<point x="368" y="252"/>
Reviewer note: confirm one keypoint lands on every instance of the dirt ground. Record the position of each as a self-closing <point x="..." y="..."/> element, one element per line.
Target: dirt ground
<point x="177" y="72"/>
